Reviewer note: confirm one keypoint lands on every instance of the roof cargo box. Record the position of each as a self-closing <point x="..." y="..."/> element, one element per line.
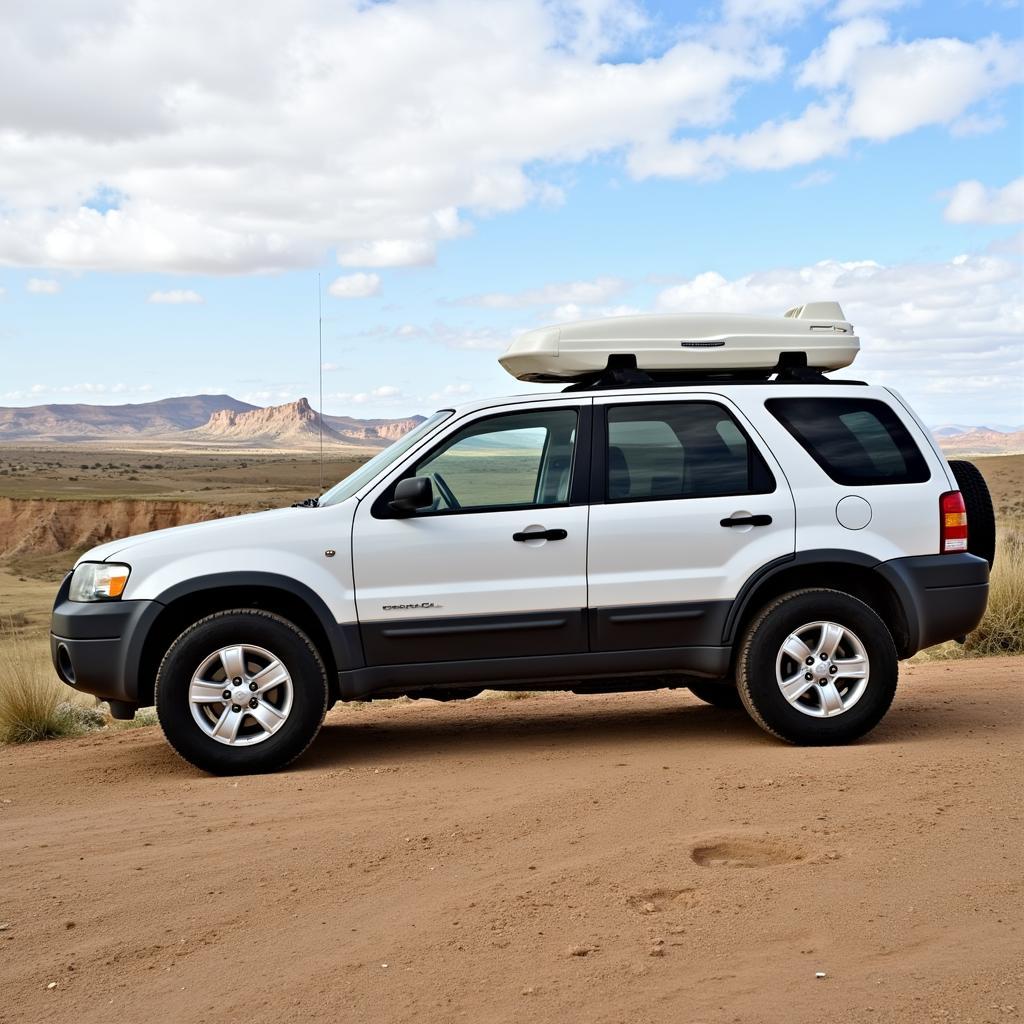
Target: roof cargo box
<point x="686" y="344"/>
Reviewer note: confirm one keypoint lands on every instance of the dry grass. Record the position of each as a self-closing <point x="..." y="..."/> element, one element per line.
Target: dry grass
<point x="1002" y="629"/>
<point x="34" y="704"/>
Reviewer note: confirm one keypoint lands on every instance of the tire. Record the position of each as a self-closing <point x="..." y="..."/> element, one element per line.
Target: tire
<point x="273" y="725"/>
<point x="835" y="707"/>
<point x="981" y="519"/>
<point x="719" y="695"/>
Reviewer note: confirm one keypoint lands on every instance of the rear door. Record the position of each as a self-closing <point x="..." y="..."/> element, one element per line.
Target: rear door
<point x="687" y="505"/>
<point x="497" y="567"/>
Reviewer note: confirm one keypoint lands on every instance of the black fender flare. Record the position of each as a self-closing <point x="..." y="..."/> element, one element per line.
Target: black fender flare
<point x="743" y="599"/>
<point x="346" y="645"/>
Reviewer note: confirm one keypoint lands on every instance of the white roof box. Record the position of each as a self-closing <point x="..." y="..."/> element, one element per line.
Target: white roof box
<point x="686" y="344"/>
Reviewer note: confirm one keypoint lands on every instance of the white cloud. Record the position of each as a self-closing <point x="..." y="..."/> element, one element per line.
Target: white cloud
<point x="370" y="130"/>
<point x="389" y="252"/>
<point x="355" y="286"/>
<point x="847" y="9"/>
<point x="384" y="392"/>
<point x="831" y="64"/>
<point x="971" y="202"/>
<point x="42" y="286"/>
<point x="815" y="179"/>
<point x="925" y="328"/>
<point x="870" y="89"/>
<point x="175" y="297"/>
<point x="600" y="289"/>
<point x="976" y="124"/>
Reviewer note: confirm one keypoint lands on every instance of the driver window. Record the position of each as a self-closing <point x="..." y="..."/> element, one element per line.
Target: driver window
<point x="516" y="460"/>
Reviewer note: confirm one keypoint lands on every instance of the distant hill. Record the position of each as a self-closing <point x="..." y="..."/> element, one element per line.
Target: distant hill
<point x="71" y="423"/>
<point x="979" y="440"/>
<point x="208" y="420"/>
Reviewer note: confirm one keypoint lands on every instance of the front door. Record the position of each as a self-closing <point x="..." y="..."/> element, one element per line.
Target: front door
<point x="687" y="508"/>
<point x="496" y="568"/>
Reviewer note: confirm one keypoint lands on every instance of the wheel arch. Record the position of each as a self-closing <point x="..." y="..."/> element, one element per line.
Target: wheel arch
<point x="184" y="603"/>
<point x="851" y="572"/>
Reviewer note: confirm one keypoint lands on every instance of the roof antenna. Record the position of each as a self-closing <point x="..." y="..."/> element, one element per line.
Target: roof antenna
<point x="320" y="371"/>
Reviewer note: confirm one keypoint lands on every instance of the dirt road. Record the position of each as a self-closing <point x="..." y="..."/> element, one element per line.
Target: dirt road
<point x="629" y="858"/>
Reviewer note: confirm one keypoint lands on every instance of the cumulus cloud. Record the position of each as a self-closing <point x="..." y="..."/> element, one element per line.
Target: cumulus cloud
<point x="355" y="286"/>
<point x="377" y="131"/>
<point x="971" y="202"/>
<point x="202" y="148"/>
<point x="42" y="286"/>
<point x="925" y="328"/>
<point x="869" y="89"/>
<point x="175" y="297"/>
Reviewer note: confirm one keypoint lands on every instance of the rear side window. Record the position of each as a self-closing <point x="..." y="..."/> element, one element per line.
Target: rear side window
<point x="680" y="450"/>
<point x="859" y="442"/>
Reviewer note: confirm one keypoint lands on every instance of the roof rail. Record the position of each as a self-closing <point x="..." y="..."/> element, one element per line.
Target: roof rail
<point x="622" y="372"/>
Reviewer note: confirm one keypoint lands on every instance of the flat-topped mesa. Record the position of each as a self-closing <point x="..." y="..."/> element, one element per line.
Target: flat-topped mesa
<point x="291" y="419"/>
<point x="816" y="335"/>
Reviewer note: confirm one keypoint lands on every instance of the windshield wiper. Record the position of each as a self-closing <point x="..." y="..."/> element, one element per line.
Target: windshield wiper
<point x="307" y="503"/>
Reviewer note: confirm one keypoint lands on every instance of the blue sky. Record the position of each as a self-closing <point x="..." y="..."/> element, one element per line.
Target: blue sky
<point x="171" y="187"/>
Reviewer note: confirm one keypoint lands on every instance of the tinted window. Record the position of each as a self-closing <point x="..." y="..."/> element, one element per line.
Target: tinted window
<point x="680" y="450"/>
<point x="859" y="442"/>
<point x="515" y="460"/>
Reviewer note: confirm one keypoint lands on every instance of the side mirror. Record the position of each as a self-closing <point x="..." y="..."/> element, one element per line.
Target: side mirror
<point x="412" y="494"/>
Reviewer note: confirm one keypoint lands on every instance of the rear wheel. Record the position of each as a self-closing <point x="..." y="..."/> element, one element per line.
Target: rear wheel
<point x="241" y="691"/>
<point x="981" y="519"/>
<point x="719" y="695"/>
<point x="817" y="667"/>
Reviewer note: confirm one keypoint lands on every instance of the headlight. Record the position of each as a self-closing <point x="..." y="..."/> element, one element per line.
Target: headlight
<point x="99" y="581"/>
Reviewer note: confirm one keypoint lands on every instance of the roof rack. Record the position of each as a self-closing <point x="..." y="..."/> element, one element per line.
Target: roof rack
<point x="621" y="372"/>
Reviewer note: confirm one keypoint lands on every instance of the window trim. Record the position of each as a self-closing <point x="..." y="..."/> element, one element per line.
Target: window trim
<point x="829" y="470"/>
<point x="599" y="453"/>
<point x="579" y="480"/>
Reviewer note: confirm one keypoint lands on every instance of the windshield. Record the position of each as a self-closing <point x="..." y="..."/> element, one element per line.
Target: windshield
<point x="365" y="473"/>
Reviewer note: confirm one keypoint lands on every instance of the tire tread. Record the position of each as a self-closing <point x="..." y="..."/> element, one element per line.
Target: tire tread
<point x="257" y="613"/>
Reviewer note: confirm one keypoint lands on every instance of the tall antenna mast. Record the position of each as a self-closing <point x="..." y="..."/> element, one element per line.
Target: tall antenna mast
<point x="320" y="372"/>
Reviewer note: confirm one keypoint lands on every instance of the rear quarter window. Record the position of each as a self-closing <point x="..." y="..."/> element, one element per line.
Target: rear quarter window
<point x="858" y="442"/>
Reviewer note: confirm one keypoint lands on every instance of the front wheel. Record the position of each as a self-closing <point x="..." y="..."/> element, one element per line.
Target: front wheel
<point x="240" y="692"/>
<point x="817" y="667"/>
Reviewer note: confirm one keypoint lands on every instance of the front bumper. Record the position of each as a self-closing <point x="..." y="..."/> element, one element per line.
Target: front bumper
<point x="96" y="647"/>
<point x="943" y="596"/>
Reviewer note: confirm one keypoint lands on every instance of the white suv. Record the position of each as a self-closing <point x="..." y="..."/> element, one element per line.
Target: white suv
<point x="700" y="508"/>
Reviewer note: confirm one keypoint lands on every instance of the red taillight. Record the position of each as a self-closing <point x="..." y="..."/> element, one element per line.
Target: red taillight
<point x="952" y="522"/>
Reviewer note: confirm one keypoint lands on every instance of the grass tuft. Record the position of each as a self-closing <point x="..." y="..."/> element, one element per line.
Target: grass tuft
<point x="34" y="704"/>
<point x="1002" y="629"/>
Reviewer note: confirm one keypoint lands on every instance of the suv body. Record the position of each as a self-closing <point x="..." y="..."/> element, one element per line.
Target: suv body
<point x="592" y="540"/>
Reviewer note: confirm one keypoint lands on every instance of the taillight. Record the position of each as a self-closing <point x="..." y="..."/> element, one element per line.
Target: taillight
<point x="952" y="522"/>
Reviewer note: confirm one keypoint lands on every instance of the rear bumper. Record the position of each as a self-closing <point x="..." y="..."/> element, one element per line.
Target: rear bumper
<point x="943" y="596"/>
<point x="97" y="647"/>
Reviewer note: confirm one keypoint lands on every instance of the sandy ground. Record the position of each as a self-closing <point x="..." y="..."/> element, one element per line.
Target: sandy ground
<point x="627" y="858"/>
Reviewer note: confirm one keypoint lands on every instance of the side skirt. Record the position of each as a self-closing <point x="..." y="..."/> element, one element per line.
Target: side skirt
<point x="560" y="671"/>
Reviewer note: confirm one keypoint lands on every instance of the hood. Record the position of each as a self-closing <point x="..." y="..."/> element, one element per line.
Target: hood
<point x="198" y="536"/>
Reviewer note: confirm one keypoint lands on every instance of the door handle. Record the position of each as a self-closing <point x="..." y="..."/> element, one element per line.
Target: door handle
<point x="747" y="521"/>
<point x="541" y="535"/>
